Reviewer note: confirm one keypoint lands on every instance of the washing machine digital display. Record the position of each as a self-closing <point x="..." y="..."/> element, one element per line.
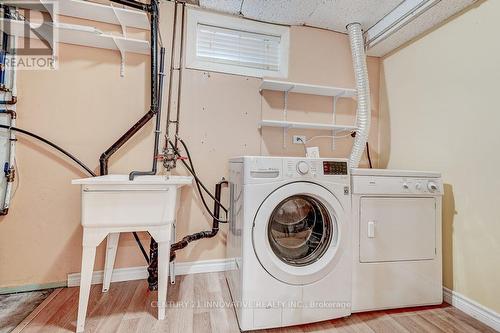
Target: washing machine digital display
<point x="334" y="168"/>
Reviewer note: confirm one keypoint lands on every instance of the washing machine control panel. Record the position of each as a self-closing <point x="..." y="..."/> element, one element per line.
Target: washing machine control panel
<point x="315" y="168"/>
<point x="334" y="168"/>
<point x="261" y="169"/>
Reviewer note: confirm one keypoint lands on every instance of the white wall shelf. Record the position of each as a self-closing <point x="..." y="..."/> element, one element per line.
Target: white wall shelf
<point x="310" y="89"/>
<point x="87" y="35"/>
<point x="304" y="88"/>
<point x="103" y="13"/>
<point x="303" y="125"/>
<point x="81" y="35"/>
<point x="88" y="10"/>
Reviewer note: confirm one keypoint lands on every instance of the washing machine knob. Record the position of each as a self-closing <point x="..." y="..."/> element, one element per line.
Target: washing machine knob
<point x="302" y="167"/>
<point x="418" y="186"/>
<point x="432" y="187"/>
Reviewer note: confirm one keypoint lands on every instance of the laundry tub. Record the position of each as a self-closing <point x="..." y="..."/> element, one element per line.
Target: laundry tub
<point x="113" y="200"/>
<point x="113" y="204"/>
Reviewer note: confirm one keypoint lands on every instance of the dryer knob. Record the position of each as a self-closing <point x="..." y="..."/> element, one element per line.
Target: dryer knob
<point x="432" y="187"/>
<point x="302" y="167"/>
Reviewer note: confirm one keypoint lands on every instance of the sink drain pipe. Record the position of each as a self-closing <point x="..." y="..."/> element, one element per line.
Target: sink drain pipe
<point x="155" y="109"/>
<point x="154" y="11"/>
<point x="363" y="116"/>
<point x="217" y="204"/>
<point x="154" y="168"/>
<point x="184" y="242"/>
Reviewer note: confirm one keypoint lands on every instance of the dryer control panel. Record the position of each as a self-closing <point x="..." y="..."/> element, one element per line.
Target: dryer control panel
<point x="397" y="185"/>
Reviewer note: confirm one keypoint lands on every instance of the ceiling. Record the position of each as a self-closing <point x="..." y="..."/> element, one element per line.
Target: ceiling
<point x="327" y="14"/>
<point x="336" y="14"/>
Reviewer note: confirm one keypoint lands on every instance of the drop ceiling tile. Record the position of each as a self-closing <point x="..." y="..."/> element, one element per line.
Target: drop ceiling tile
<point x="225" y="6"/>
<point x="292" y="12"/>
<point x="438" y="14"/>
<point x="336" y="14"/>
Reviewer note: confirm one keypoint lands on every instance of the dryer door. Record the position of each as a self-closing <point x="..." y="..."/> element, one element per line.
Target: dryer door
<point x="298" y="233"/>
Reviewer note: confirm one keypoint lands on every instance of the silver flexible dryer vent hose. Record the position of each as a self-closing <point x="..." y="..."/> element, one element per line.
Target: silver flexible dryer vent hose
<point x="363" y="91"/>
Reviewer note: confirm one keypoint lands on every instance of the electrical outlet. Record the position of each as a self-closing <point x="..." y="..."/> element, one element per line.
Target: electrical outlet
<point x="299" y="139"/>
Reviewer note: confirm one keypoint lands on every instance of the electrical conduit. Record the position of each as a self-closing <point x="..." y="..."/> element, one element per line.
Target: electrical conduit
<point x="363" y="91"/>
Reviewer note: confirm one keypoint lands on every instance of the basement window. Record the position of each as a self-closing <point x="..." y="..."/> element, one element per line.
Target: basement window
<point x="226" y="44"/>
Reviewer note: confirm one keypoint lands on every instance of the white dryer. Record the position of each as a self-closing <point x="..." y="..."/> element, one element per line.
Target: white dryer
<point x="289" y="240"/>
<point x="396" y="239"/>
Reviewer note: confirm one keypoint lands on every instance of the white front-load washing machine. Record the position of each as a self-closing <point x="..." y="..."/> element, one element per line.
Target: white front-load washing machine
<point x="289" y="240"/>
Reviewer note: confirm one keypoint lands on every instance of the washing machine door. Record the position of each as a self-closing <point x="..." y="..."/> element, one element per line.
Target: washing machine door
<point x="298" y="232"/>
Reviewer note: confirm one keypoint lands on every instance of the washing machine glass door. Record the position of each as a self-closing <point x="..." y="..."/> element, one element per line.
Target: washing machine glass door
<point x="297" y="233"/>
<point x="300" y="230"/>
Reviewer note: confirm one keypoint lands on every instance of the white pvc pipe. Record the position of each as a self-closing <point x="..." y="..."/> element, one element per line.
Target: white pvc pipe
<point x="12" y="152"/>
<point x="363" y="91"/>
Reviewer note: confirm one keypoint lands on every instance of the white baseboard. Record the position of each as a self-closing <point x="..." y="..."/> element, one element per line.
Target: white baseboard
<point x="140" y="273"/>
<point x="472" y="308"/>
<point x="205" y="266"/>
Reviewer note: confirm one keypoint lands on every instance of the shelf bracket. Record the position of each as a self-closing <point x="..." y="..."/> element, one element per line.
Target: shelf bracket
<point x="285" y="116"/>
<point x="119" y="46"/>
<point x="119" y="19"/>
<point x="118" y="42"/>
<point x="334" y="119"/>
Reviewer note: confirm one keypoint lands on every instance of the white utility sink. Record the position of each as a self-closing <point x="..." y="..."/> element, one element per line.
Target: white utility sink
<point x="114" y="204"/>
<point x="115" y="200"/>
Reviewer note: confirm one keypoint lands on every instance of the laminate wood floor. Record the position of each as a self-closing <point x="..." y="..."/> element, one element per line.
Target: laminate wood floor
<point x="15" y="307"/>
<point x="129" y="307"/>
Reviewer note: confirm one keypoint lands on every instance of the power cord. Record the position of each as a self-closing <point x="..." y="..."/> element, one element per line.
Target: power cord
<point x="353" y="134"/>
<point x="322" y="137"/>
<point x="305" y="145"/>
<point x="198" y="182"/>
<point x="368" y="155"/>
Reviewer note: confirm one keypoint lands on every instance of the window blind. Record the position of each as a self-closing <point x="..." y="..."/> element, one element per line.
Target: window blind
<point x="236" y="47"/>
